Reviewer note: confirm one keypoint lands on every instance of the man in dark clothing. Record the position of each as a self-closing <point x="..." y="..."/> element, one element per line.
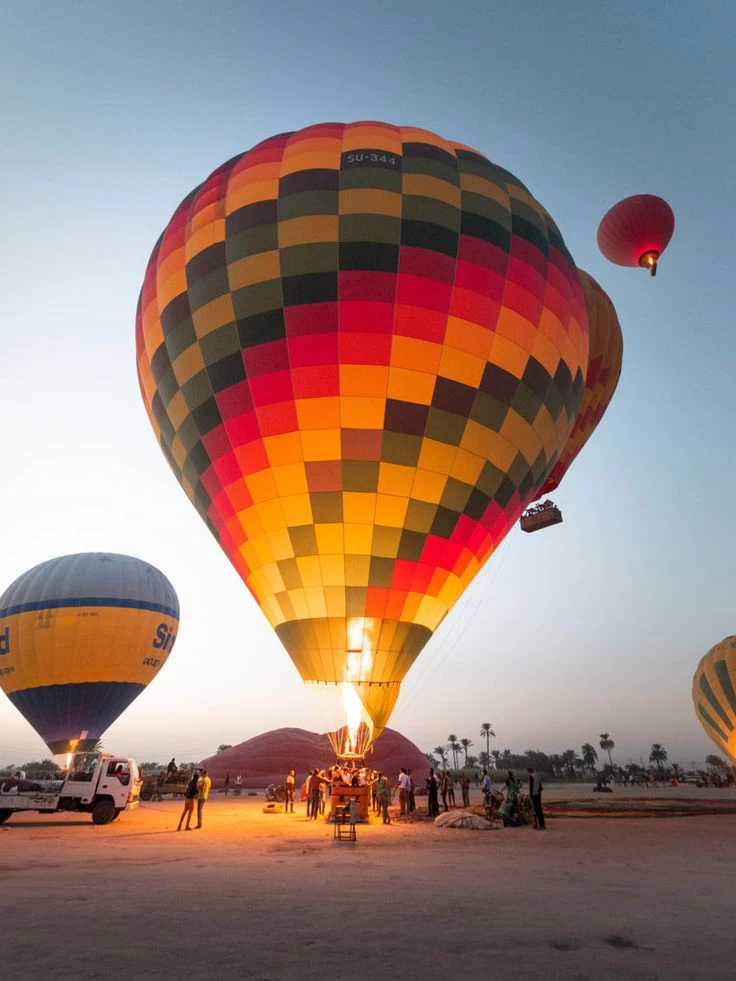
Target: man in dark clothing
<point x="535" y="792"/>
<point x="433" y="804"/>
<point x="190" y="795"/>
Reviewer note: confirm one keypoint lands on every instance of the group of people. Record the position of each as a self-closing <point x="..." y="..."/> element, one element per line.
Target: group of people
<point x="198" y="788"/>
<point x="237" y="784"/>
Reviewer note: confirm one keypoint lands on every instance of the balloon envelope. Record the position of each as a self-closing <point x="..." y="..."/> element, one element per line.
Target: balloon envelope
<point x="714" y="695"/>
<point x="362" y="348"/>
<point x="637" y="226"/>
<point x="601" y="376"/>
<point x="80" y="637"/>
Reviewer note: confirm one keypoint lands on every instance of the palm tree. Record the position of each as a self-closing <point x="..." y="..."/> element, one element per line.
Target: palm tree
<point x="716" y="762"/>
<point x="607" y="744"/>
<point x="442" y="753"/>
<point x="569" y="760"/>
<point x="486" y="731"/>
<point x="454" y="746"/>
<point x="590" y="756"/>
<point x="658" y="755"/>
<point x="466" y="744"/>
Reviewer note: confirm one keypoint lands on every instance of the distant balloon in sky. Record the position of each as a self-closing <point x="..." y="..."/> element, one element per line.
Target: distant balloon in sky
<point x="362" y="349"/>
<point x="80" y="637"/>
<point x="636" y="231"/>
<point x="601" y="376"/>
<point x="714" y="695"/>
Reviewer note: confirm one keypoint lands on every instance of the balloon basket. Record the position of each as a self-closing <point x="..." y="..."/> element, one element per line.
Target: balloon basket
<point x="341" y="800"/>
<point x="540" y="516"/>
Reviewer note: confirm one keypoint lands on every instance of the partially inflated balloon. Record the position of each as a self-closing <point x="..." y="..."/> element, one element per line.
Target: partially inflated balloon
<point x="601" y="376"/>
<point x="714" y="695"/>
<point x="80" y="637"/>
<point x="362" y="349"/>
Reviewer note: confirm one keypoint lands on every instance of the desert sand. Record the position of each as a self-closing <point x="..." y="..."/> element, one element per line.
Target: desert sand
<point x="274" y="897"/>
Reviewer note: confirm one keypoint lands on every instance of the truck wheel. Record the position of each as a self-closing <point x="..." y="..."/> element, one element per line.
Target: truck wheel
<point x="118" y="812"/>
<point x="4" y="815"/>
<point x="146" y="793"/>
<point x="103" y="812"/>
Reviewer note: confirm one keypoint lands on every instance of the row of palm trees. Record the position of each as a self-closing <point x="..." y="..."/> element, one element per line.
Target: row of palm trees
<point x="569" y="763"/>
<point x="454" y="746"/>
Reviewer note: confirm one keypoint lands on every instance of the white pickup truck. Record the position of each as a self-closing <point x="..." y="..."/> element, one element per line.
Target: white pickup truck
<point x="97" y="784"/>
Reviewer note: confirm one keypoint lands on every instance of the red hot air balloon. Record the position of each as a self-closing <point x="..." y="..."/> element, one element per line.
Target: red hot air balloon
<point x="636" y="231"/>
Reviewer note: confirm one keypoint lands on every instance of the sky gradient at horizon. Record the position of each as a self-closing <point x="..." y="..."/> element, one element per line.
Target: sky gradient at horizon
<point x="595" y="625"/>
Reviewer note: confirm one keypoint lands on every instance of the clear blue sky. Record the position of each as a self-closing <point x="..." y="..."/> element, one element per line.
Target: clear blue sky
<point x="112" y="113"/>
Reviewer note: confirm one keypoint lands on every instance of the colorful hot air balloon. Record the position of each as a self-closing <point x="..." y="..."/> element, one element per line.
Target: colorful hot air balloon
<point x="362" y="349"/>
<point x="636" y="231"/>
<point x="601" y="376"/>
<point x="714" y="695"/>
<point x="80" y="637"/>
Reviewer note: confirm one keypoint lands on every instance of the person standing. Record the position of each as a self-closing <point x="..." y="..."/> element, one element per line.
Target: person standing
<point x="433" y="804"/>
<point x="189" y="797"/>
<point x="314" y="792"/>
<point x="238" y="785"/>
<point x="412" y="802"/>
<point x="403" y="785"/>
<point x="227" y="784"/>
<point x="383" y="796"/>
<point x="465" y="788"/>
<point x="450" y="788"/>
<point x="486" y="784"/>
<point x="443" y="789"/>
<point x="535" y="792"/>
<point x="289" y="785"/>
<point x="204" y="785"/>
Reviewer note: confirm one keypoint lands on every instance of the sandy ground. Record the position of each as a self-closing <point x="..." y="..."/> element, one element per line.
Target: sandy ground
<point x="274" y="897"/>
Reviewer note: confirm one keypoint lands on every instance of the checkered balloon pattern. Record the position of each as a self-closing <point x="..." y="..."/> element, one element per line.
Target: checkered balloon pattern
<point x="714" y="695"/>
<point x="601" y="379"/>
<point x="362" y="349"/>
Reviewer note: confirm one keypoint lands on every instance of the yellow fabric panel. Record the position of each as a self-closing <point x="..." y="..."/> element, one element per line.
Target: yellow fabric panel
<point x="73" y="645"/>
<point x="362" y="413"/>
<point x="359" y="201"/>
<point x="318" y="413"/>
<point x="462" y="367"/>
<point x="431" y="187"/>
<point x="321" y="444"/>
<point x="189" y="363"/>
<point x="259" y="268"/>
<point x="297" y="510"/>
<point x="406" y="385"/>
<point x="428" y="486"/>
<point x="395" y="479"/>
<point x="390" y="510"/>
<point x="314" y="228"/>
<point x="437" y="457"/>
<point x="209" y="234"/>
<point x="358" y="508"/>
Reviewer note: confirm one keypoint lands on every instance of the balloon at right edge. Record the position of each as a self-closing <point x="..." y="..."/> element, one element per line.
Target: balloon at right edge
<point x="714" y="695"/>
<point x="636" y="231"/>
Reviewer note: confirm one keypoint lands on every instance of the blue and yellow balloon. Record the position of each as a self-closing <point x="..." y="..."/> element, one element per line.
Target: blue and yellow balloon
<point x="80" y="637"/>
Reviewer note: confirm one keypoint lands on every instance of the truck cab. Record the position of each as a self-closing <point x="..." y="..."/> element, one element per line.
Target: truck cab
<point x="95" y="783"/>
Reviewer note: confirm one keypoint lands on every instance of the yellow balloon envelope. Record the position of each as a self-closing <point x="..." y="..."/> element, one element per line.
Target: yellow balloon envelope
<point x="714" y="695"/>
<point x="80" y="637"/>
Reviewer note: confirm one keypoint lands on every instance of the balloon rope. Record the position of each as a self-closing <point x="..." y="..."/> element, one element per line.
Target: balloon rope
<point x="424" y="679"/>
